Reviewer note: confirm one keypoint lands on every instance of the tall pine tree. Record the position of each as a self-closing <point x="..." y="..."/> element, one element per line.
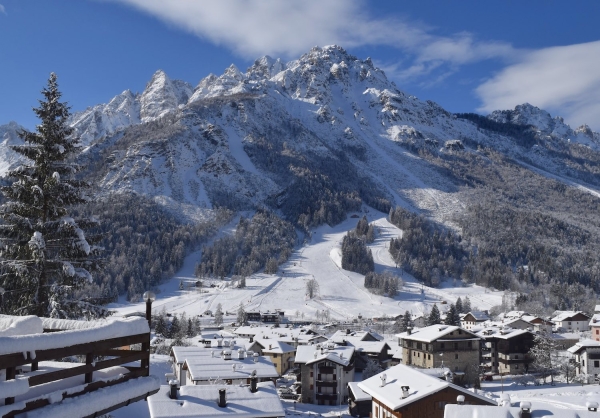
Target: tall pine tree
<point x="434" y="316"/>
<point x="46" y="257"/>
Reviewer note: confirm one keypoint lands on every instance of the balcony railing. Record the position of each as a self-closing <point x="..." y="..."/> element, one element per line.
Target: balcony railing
<point x="327" y="396"/>
<point x="104" y="362"/>
<point x="327" y="383"/>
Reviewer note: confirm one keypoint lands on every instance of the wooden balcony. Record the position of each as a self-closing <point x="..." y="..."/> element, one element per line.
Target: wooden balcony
<point x="327" y="383"/>
<point x="47" y="368"/>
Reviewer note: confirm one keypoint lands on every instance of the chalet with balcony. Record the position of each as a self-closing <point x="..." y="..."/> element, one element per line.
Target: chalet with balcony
<point x="325" y="371"/>
<point x="442" y="346"/>
<point x="405" y="392"/>
<point x="505" y="350"/>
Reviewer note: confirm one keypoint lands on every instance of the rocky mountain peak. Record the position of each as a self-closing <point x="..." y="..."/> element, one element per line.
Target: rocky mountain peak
<point x="162" y="96"/>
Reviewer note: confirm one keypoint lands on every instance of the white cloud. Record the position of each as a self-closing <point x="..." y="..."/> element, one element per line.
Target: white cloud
<point x="2" y="9"/>
<point x="563" y="80"/>
<point x="252" y="28"/>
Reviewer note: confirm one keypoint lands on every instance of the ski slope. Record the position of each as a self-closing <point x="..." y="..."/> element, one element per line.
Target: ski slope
<point x="340" y="291"/>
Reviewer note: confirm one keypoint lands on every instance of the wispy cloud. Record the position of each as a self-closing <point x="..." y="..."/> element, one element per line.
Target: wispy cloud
<point x="252" y="28"/>
<point x="2" y="9"/>
<point x="563" y="80"/>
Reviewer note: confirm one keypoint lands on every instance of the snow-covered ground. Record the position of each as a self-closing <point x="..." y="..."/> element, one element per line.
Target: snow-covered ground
<point x="340" y="291"/>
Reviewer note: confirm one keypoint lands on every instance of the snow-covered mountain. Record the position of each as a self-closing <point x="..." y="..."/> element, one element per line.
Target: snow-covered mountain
<point x="9" y="136"/>
<point x="328" y="125"/>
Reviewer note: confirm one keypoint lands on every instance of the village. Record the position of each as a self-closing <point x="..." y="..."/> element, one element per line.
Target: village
<point x="274" y="366"/>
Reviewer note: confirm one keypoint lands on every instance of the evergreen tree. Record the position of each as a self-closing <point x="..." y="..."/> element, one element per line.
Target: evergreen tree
<point x="405" y="322"/>
<point x="160" y="326"/>
<point x="466" y="305"/>
<point x="459" y="306"/>
<point x="175" y="328"/>
<point x="46" y="257"/>
<point x="219" y="315"/>
<point x="191" y="329"/>
<point x="452" y="317"/>
<point x="434" y="316"/>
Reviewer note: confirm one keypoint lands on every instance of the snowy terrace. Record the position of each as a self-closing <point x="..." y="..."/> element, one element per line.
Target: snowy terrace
<point x="64" y="368"/>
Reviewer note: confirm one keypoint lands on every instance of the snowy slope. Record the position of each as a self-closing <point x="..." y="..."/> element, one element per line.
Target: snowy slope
<point x="341" y="292"/>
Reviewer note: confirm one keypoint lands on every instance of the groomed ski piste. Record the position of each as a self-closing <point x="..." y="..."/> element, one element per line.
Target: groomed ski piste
<point x="341" y="292"/>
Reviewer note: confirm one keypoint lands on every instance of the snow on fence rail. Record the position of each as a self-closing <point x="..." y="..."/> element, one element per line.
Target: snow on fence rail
<point x="36" y="377"/>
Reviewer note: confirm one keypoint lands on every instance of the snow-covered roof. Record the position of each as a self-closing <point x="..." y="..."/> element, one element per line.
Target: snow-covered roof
<point x="515" y="314"/>
<point x="583" y="345"/>
<point x="101" y="330"/>
<point x="201" y="401"/>
<point x="479" y="315"/>
<point x="342" y="335"/>
<point x="597" y="308"/>
<point x="274" y="346"/>
<point x="420" y="386"/>
<point x="359" y="394"/>
<point x="595" y="321"/>
<point x="433" y="333"/>
<point x="478" y="411"/>
<point x="308" y="354"/>
<point x="560" y="316"/>
<point x="207" y="368"/>
<point x="503" y="333"/>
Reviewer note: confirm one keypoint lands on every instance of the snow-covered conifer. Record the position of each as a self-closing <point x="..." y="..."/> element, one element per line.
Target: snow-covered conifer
<point x="46" y="256"/>
<point x="434" y="316"/>
<point x="219" y="315"/>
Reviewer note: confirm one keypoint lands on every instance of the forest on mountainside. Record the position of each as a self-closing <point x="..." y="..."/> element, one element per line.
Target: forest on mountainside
<point x="143" y="243"/>
<point x="263" y="242"/>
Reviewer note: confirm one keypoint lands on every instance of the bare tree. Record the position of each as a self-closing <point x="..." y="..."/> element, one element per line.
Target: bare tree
<point x="312" y="288"/>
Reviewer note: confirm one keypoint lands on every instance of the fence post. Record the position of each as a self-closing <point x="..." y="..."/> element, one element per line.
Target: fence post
<point x="89" y="359"/>
<point x="10" y="375"/>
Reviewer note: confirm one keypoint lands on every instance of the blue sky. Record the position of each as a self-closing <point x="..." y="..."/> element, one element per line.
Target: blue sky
<point x="466" y="55"/>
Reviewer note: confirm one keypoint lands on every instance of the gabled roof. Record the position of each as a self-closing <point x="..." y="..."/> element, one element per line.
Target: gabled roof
<point x="560" y="316"/>
<point x="434" y="332"/>
<point x="582" y="345"/>
<point x="274" y="347"/>
<point x="308" y="354"/>
<point x="504" y="333"/>
<point x="359" y="394"/>
<point x="420" y="386"/>
<point x="479" y="316"/>
<point x="595" y="321"/>
<point x="342" y="335"/>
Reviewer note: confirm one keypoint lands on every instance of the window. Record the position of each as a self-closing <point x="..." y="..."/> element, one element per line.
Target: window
<point x="311" y="374"/>
<point x="442" y="346"/>
<point x="456" y="357"/>
<point x="596" y="363"/>
<point x="582" y="363"/>
<point x="428" y="356"/>
<point x="456" y="346"/>
<point x="516" y="366"/>
<point x="597" y="332"/>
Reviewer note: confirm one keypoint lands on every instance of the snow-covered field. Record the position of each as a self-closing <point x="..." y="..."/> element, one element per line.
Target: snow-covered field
<point x="340" y="291"/>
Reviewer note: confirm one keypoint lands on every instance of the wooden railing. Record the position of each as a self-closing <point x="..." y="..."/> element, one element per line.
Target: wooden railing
<point x="99" y="355"/>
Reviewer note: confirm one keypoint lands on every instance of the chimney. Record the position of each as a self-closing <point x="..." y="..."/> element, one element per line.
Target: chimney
<point x="448" y="375"/>
<point x="222" y="401"/>
<point x="240" y="353"/>
<point x="408" y="330"/>
<point x="405" y="391"/>
<point x="255" y="356"/>
<point x="383" y="377"/>
<point x="347" y="331"/>
<point x="525" y="409"/>
<point x="460" y="400"/>
<point x="174" y="387"/>
<point x="592" y="406"/>
<point x="253" y="384"/>
<point x="220" y="342"/>
<point x="270" y="346"/>
<point x="251" y="339"/>
<point x="207" y="343"/>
